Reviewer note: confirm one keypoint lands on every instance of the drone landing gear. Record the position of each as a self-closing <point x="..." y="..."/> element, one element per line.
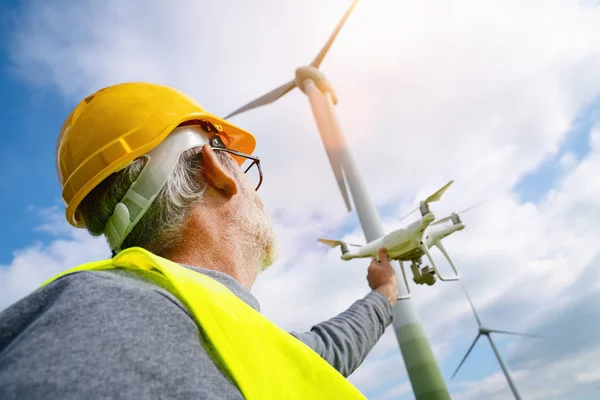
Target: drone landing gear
<point x="436" y="272"/>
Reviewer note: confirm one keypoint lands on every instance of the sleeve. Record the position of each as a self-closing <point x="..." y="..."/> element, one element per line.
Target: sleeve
<point x="345" y="340"/>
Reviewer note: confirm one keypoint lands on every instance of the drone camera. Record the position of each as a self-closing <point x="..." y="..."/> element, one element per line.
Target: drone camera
<point x="427" y="276"/>
<point x="427" y="271"/>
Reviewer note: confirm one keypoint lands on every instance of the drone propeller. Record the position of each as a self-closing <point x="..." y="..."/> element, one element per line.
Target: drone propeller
<point x="334" y="243"/>
<point x="409" y="214"/>
<point x="276" y="94"/>
<point x="438" y="195"/>
<point x="448" y="218"/>
<point x="433" y="198"/>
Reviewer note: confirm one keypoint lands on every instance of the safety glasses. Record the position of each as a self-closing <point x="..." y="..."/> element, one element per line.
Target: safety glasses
<point x="253" y="171"/>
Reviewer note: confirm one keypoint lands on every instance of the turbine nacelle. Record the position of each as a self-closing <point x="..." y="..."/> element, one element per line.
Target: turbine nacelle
<point x="313" y="74"/>
<point x="324" y="98"/>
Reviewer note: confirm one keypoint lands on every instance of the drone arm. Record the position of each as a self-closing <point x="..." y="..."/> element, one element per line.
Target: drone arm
<point x="437" y="272"/>
<point x="440" y="246"/>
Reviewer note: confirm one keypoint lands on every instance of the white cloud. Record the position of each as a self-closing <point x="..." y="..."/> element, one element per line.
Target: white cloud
<point x="477" y="91"/>
<point x="397" y="391"/>
<point x="567" y="160"/>
<point x="32" y="266"/>
<point x="556" y="381"/>
<point x="588" y="377"/>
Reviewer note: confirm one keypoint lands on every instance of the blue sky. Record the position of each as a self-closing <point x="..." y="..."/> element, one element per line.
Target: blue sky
<point x="30" y="119"/>
<point x="534" y="185"/>
<point x="422" y="100"/>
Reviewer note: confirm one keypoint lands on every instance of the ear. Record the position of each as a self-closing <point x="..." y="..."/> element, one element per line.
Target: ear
<point x="217" y="174"/>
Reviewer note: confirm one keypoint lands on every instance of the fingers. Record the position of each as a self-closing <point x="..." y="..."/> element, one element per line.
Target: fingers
<point x="383" y="255"/>
<point x="372" y="269"/>
<point x="374" y="263"/>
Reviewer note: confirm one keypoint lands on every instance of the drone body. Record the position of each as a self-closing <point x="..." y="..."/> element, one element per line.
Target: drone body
<point x="400" y="244"/>
<point x="411" y="244"/>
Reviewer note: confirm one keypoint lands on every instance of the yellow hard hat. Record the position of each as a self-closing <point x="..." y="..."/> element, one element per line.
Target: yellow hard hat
<point x="114" y="126"/>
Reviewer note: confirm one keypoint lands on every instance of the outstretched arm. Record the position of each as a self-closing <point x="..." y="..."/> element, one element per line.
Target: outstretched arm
<point x="345" y="340"/>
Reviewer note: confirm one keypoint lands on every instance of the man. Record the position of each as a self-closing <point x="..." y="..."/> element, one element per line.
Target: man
<point x="170" y="315"/>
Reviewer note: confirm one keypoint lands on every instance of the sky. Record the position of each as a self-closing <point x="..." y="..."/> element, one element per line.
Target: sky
<point x="501" y="96"/>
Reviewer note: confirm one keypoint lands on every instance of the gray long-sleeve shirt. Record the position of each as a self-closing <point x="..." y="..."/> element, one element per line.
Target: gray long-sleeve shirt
<point x="112" y="334"/>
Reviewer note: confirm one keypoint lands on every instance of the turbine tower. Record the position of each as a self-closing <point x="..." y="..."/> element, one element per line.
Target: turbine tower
<point x="424" y="374"/>
<point x="483" y="331"/>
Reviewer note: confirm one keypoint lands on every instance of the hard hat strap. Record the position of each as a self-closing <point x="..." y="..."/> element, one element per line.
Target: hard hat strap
<point x="161" y="163"/>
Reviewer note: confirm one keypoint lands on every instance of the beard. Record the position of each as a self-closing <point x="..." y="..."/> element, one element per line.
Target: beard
<point x="262" y="232"/>
<point x="255" y="223"/>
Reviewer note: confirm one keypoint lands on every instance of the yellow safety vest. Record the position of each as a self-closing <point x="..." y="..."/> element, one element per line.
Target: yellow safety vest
<point x="264" y="361"/>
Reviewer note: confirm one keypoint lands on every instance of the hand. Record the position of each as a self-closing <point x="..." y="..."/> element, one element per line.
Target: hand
<point x="381" y="277"/>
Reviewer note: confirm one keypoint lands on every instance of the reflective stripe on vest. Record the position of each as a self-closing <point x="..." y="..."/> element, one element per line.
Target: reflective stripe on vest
<point x="264" y="361"/>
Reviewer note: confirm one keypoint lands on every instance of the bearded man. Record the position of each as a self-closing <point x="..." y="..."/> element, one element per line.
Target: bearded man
<point x="170" y="314"/>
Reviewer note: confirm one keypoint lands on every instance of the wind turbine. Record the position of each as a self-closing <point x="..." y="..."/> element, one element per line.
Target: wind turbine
<point x="483" y="331"/>
<point x="424" y="374"/>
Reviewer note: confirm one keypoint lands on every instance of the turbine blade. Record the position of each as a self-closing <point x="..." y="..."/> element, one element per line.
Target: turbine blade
<point x="336" y="166"/>
<point x="516" y="333"/>
<point x="318" y="103"/>
<point x="319" y="59"/>
<point x="266" y="99"/>
<point x="471" y="303"/>
<point x="466" y="355"/>
<point x="438" y="195"/>
<point x="441" y="221"/>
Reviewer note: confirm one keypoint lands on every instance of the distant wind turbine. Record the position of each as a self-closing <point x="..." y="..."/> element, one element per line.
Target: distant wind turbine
<point x="483" y="331"/>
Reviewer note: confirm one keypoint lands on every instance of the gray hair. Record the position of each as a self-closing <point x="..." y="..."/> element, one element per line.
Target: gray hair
<point x="160" y="227"/>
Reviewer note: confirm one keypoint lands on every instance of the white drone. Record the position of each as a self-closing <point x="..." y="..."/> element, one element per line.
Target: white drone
<point x="412" y="243"/>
